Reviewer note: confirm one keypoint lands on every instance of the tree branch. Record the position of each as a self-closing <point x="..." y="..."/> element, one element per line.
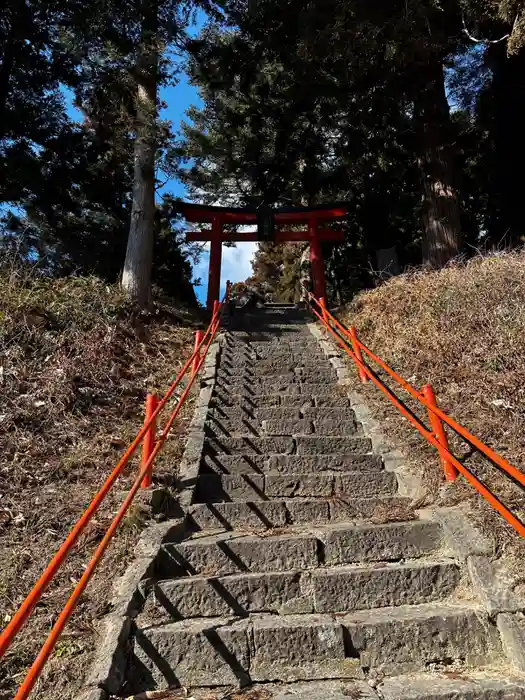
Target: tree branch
<point x="481" y="41"/>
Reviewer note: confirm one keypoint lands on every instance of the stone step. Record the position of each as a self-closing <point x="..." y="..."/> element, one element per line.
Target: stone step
<point x="291" y="592"/>
<point x="232" y="553"/>
<point x="315" y="372"/>
<point x="261" y="648"/>
<point x="225" y="553"/>
<point x="259" y="388"/>
<point x="290" y="464"/>
<point x="268" y="514"/>
<point x="249" y="486"/>
<point x="489" y="684"/>
<point x="302" y="445"/>
<point x="217" y="428"/>
<point x="223" y="399"/>
<point x="267" y="350"/>
<point x="342" y="427"/>
<point x="235" y="378"/>
<point x="251" y="361"/>
<point x="252" y="413"/>
<point x="300" y="341"/>
<point x="408" y="638"/>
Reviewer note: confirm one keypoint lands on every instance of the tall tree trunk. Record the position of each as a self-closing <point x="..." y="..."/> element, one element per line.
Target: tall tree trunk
<point x="136" y="277"/>
<point x="441" y="210"/>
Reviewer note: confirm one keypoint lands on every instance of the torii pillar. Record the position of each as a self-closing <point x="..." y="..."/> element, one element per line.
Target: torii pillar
<point x="316" y="259"/>
<point x="214" y="272"/>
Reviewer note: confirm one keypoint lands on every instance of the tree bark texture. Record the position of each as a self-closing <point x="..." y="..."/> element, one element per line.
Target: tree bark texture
<point x="441" y="210"/>
<point x="136" y="276"/>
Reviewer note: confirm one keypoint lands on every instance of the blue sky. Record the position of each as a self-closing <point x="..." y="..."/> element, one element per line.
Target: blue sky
<point x="236" y="262"/>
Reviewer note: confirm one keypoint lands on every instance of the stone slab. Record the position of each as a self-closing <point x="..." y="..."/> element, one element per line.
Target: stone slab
<point x="312" y="690"/>
<point x="341" y="426"/>
<point x="331" y="445"/>
<point x="390" y="542"/>
<point x="368" y="465"/>
<point x="317" y="463"/>
<point x="408" y="638"/>
<point x="365" y="484"/>
<point x="315" y="371"/>
<point x="222" y="554"/>
<point x="294" y="648"/>
<point x="279" y="413"/>
<point x="228" y="595"/>
<point x="256" y="389"/>
<point x="308" y="485"/>
<point x="256" y="515"/>
<point x="241" y="381"/>
<point x="320" y="413"/>
<point x="230" y="487"/>
<point x="333" y="401"/>
<point x="248" y="445"/>
<point x="512" y="632"/>
<point x="232" y="464"/>
<point x="319" y="389"/>
<point x="243" y="426"/>
<point x="304" y="511"/>
<point x="460" y="535"/>
<point x="469" y="685"/>
<point x="284" y="400"/>
<point x="360" y="588"/>
<point x="236" y="412"/>
<point x="382" y="509"/>
<point x="492" y="587"/>
<point x="194" y="653"/>
<point x="287" y="426"/>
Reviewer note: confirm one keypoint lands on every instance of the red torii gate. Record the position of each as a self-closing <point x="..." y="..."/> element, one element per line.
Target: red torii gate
<point x="286" y="221"/>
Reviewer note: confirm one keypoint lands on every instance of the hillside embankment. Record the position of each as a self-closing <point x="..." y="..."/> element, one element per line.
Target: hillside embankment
<point x="76" y="362"/>
<point x="460" y="329"/>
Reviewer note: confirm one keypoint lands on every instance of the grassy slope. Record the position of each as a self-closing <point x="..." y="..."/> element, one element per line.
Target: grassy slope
<point x="76" y="363"/>
<point x="462" y="330"/>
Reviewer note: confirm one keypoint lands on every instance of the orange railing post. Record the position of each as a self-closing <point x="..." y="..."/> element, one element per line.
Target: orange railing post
<point x="322" y="304"/>
<point x="436" y="424"/>
<point x="357" y="352"/>
<point x="196" y="360"/>
<point x="216" y="314"/>
<point x="148" y="444"/>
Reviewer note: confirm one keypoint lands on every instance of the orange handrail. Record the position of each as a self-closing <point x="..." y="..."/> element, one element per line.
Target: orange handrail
<point x="326" y="318"/>
<point x="419" y="396"/>
<point x="24" y="611"/>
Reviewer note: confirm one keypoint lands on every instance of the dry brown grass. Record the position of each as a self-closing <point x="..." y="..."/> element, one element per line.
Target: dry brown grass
<point x="76" y="361"/>
<point x="460" y="329"/>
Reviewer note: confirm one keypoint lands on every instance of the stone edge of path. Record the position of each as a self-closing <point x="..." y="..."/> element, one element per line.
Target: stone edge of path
<point x="473" y="551"/>
<point x="108" y="669"/>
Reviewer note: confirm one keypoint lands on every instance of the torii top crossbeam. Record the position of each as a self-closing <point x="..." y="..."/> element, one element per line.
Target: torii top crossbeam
<point x="278" y="225"/>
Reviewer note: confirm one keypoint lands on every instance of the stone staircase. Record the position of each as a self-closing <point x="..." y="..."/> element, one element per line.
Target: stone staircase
<point x="305" y="575"/>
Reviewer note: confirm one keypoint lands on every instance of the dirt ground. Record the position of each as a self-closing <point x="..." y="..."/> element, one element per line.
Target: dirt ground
<point x="76" y="363"/>
<point x="459" y="329"/>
